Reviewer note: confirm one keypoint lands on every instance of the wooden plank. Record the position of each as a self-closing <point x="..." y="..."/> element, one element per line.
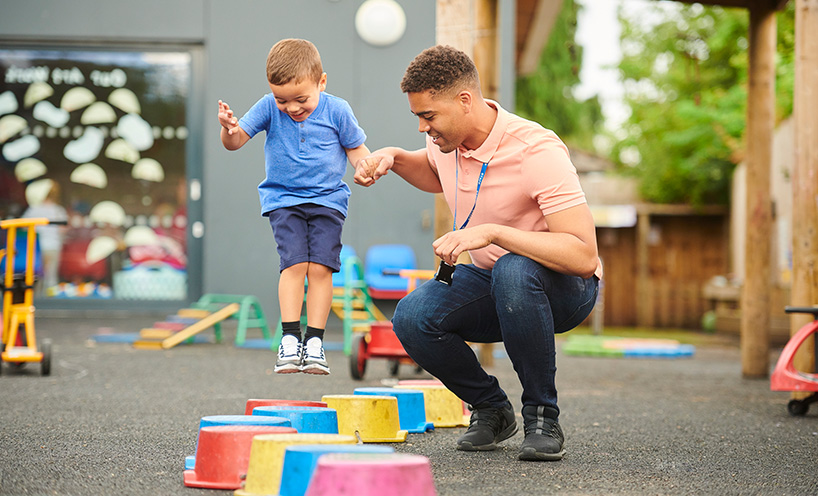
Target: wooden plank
<point x="200" y="326"/>
<point x="147" y="345"/>
<point x="153" y="333"/>
<point x="195" y="313"/>
<point x="804" y="183"/>
<point x="755" y="296"/>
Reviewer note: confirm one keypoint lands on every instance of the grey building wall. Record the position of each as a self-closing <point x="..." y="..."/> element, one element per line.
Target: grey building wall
<point x="230" y="41"/>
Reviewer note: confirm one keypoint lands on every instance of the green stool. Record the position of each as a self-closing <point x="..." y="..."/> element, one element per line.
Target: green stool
<point x="250" y="314"/>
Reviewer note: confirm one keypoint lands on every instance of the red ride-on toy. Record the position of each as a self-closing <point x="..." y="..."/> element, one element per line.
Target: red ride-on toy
<point x="785" y="377"/>
<point x="380" y="341"/>
<point x="18" y="348"/>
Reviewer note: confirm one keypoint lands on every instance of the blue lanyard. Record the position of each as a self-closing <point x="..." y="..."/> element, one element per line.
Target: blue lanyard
<point x="456" y="187"/>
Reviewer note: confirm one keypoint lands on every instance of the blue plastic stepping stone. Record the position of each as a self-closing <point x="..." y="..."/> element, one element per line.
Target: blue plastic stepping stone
<point x="411" y="407"/>
<point x="304" y="419"/>
<point x="128" y="337"/>
<point x="190" y="461"/>
<point x="300" y="461"/>
<point x="681" y="350"/>
<point x="257" y="344"/>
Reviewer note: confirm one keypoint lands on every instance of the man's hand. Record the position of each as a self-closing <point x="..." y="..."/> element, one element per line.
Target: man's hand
<point x="227" y="119"/>
<point x="449" y="246"/>
<point x="371" y="168"/>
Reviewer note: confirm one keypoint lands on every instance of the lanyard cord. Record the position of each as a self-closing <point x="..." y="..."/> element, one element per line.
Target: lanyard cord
<point x="456" y="187"/>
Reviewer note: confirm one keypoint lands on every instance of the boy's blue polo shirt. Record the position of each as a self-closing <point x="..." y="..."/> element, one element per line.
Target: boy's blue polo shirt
<point x="305" y="161"/>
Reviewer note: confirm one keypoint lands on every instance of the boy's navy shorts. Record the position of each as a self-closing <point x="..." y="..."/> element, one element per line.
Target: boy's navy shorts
<point x="308" y="233"/>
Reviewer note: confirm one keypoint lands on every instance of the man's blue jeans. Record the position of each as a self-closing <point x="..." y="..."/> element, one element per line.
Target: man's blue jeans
<point x="518" y="302"/>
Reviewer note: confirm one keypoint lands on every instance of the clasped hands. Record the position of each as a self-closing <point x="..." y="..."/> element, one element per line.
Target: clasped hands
<point x="371" y="168"/>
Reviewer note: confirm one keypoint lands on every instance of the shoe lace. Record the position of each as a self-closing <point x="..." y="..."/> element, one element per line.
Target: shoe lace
<point x="315" y="352"/>
<point x="491" y="417"/>
<point x="543" y="426"/>
<point x="289" y="351"/>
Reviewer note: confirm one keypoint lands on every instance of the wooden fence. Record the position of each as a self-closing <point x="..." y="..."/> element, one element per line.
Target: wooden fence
<point x="655" y="271"/>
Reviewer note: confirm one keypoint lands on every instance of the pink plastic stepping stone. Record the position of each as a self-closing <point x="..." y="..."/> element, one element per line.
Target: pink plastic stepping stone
<point x="369" y="474"/>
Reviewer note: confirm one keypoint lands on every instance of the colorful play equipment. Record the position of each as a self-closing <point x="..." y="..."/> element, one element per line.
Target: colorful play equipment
<point x="209" y="311"/>
<point x="249" y="316"/>
<point x="223" y="455"/>
<point x="300" y="462"/>
<point x="368" y="474"/>
<point x="217" y="420"/>
<point x="252" y="403"/>
<point x="18" y="348"/>
<point x="374" y="418"/>
<point x="785" y="377"/>
<point x="380" y="341"/>
<point x="388" y="285"/>
<point x="411" y="407"/>
<point x="612" y="346"/>
<point x="443" y="407"/>
<point x="304" y="419"/>
<point x="267" y="459"/>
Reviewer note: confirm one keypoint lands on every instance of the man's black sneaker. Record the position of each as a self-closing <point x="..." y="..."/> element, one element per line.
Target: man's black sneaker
<point x="487" y="427"/>
<point x="543" y="435"/>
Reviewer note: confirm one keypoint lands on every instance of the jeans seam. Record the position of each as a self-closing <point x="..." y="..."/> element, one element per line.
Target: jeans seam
<point x="440" y="323"/>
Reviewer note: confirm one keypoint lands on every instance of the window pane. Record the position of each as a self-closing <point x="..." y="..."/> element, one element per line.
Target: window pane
<point x="97" y="138"/>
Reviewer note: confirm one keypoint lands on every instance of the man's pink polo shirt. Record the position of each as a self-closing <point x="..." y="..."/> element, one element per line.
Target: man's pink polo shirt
<point x="529" y="176"/>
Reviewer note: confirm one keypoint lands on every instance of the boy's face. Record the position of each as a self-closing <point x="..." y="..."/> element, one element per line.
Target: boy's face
<point x="298" y="99"/>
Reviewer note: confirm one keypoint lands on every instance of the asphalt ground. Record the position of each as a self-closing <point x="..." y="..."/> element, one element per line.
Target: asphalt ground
<point x="114" y="420"/>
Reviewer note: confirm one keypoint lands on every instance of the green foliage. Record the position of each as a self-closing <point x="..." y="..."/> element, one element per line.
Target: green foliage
<point x="686" y="84"/>
<point x="546" y="96"/>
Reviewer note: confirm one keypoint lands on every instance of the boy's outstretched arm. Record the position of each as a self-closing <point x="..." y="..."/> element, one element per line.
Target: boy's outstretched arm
<point x="355" y="155"/>
<point x="233" y="137"/>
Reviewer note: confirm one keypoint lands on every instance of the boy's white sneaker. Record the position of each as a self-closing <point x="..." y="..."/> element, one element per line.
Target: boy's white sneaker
<point x="289" y="356"/>
<point x="314" y="361"/>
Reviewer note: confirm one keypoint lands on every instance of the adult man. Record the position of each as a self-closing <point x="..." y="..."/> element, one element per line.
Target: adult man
<point x="521" y="214"/>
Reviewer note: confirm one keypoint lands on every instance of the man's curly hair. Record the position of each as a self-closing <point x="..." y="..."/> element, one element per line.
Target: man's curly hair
<point x="441" y="69"/>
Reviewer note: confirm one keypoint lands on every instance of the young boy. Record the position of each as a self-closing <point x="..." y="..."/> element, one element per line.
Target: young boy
<point x="310" y="136"/>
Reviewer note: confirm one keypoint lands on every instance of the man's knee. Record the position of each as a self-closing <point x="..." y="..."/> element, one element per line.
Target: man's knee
<point x="411" y="314"/>
<point x="512" y="269"/>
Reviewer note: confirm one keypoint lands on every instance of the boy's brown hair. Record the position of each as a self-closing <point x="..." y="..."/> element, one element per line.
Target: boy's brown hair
<point x="293" y="60"/>
<point x="441" y="69"/>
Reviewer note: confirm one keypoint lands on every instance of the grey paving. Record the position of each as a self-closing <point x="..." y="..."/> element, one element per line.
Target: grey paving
<point x="113" y="420"/>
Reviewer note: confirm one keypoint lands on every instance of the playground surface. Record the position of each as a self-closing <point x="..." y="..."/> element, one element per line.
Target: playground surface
<point x="115" y="420"/>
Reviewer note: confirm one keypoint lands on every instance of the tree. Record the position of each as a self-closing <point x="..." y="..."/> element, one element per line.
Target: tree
<point x="685" y="77"/>
<point x="546" y="96"/>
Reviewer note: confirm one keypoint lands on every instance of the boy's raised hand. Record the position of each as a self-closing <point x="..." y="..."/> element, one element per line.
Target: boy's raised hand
<point x="227" y="119"/>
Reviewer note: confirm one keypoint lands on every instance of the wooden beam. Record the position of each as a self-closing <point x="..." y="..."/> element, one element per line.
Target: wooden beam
<point x="744" y="4"/>
<point x="539" y="29"/>
<point x="805" y="176"/>
<point x="756" y="291"/>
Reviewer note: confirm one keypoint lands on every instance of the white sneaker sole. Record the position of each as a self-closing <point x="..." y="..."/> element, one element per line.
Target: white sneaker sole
<point x="315" y="369"/>
<point x="288" y="368"/>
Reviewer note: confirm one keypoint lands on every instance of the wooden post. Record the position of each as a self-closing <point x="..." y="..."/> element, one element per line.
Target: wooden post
<point x="644" y="291"/>
<point x="805" y="176"/>
<point x="470" y="26"/>
<point x="755" y="295"/>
